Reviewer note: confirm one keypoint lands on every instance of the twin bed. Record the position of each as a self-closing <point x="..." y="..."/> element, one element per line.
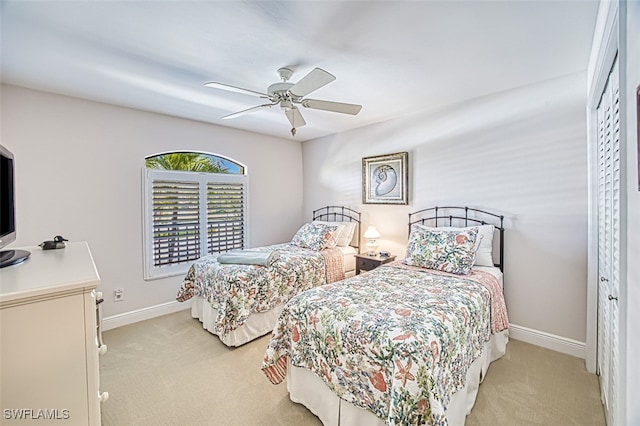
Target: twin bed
<point x="239" y="298"/>
<point x="406" y="343"/>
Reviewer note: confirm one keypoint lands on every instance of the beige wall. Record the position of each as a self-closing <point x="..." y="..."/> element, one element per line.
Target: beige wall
<point x="520" y="153"/>
<point x="79" y="174"/>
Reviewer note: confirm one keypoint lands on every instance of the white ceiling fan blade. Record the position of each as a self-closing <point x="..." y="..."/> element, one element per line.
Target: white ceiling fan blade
<point x="230" y="88"/>
<point x="340" y="107"/>
<point x="247" y="111"/>
<point x="312" y="81"/>
<point x="295" y="118"/>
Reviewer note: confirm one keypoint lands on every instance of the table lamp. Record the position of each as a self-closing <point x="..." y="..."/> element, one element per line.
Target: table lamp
<point x="371" y="235"/>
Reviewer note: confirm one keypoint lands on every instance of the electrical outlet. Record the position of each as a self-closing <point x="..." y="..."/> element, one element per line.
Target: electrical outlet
<point x="118" y="295"/>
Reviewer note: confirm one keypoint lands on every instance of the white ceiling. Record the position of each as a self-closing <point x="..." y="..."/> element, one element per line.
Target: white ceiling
<point x="393" y="57"/>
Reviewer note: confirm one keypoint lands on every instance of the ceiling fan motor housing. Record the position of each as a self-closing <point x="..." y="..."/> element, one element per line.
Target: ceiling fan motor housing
<point x="279" y="93"/>
<point x="278" y="88"/>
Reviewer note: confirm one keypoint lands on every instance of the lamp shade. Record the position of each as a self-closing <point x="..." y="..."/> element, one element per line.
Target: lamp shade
<point x="371" y="232"/>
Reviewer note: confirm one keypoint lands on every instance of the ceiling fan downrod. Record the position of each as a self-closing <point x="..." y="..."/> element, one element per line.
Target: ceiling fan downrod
<point x="285" y="73"/>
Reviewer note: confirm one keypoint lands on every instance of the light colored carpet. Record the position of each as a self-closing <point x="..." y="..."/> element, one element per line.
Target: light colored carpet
<point x="170" y="371"/>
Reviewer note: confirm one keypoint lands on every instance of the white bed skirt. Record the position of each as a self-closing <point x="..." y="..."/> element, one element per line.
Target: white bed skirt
<point x="257" y="325"/>
<point x="309" y="390"/>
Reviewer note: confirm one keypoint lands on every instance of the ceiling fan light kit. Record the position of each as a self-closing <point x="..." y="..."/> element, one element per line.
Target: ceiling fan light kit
<point x="288" y="95"/>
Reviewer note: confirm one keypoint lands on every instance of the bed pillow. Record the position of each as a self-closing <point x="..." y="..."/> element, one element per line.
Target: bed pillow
<point x="336" y="235"/>
<point x="347" y="236"/>
<point x="315" y="236"/>
<point x="451" y="251"/>
<point x="347" y="229"/>
<point x="484" y="252"/>
<point x="484" y="255"/>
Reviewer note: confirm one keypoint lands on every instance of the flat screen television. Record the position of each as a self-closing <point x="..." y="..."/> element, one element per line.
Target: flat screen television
<point x="8" y="211"/>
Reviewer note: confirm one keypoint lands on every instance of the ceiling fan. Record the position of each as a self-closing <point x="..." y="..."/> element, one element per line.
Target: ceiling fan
<point x="290" y="95"/>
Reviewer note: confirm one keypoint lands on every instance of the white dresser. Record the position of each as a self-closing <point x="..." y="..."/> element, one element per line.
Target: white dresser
<point x="48" y="339"/>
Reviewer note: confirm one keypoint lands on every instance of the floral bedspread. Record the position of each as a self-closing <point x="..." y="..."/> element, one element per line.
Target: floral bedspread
<point x="396" y="341"/>
<point x="237" y="290"/>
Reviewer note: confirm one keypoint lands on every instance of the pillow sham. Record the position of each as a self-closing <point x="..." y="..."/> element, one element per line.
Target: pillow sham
<point x="335" y="235"/>
<point x="315" y="236"/>
<point x="347" y="236"/>
<point x="346" y="231"/>
<point x="451" y="251"/>
<point x="484" y="255"/>
<point x="484" y="252"/>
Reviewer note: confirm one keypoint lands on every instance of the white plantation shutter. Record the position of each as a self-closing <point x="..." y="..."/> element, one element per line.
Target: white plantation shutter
<point x="188" y="215"/>
<point x="609" y="228"/>
<point x="176" y="221"/>
<point x="225" y="216"/>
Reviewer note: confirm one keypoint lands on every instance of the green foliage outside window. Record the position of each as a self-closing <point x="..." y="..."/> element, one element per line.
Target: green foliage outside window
<point x="193" y="162"/>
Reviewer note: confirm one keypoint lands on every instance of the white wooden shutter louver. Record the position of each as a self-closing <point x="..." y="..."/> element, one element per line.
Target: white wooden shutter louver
<point x="225" y="216"/>
<point x="176" y="222"/>
<point x="608" y="116"/>
<point x="615" y="237"/>
<point x="604" y="218"/>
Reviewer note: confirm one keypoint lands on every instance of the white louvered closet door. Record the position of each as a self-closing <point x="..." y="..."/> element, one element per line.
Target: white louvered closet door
<point x="608" y="241"/>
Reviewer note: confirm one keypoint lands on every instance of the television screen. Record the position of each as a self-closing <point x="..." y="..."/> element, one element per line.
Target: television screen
<point x="8" y="210"/>
<point x="7" y="207"/>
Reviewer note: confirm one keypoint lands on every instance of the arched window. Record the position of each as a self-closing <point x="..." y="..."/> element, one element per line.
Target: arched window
<point x="194" y="204"/>
<point x="194" y="162"/>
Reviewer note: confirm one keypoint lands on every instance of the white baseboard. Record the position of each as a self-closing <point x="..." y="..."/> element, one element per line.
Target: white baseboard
<point x="127" y="318"/>
<point x="547" y="340"/>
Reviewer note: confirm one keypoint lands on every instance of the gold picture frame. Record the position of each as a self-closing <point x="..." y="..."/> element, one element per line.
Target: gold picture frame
<point x="385" y="179"/>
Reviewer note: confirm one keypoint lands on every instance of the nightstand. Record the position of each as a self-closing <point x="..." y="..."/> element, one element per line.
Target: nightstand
<point x="364" y="262"/>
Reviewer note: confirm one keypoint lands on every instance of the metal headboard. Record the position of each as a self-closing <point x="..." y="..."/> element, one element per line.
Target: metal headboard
<point x="340" y="214"/>
<point x="460" y="216"/>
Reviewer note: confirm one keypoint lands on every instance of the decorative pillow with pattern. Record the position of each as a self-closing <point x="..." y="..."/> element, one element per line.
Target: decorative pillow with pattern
<point x="484" y="242"/>
<point x="337" y="234"/>
<point x="315" y="236"/>
<point x="346" y="230"/>
<point x="451" y="251"/>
